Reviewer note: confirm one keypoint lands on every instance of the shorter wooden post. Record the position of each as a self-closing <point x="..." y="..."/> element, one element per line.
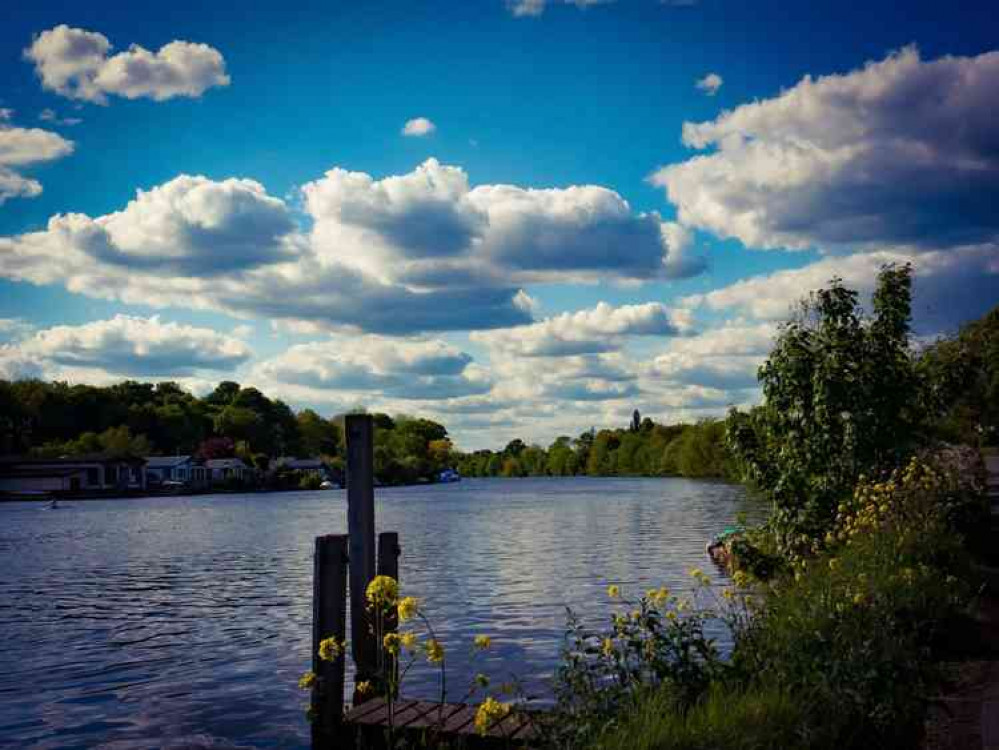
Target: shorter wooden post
<point x="388" y="565"/>
<point x="329" y="620"/>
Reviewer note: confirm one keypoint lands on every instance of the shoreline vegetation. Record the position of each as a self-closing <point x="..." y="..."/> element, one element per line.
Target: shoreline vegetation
<point x="843" y="607"/>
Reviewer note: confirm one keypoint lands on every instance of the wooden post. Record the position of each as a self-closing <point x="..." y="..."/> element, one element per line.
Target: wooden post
<point x="329" y="620"/>
<point x="388" y="565"/>
<point x="361" y="525"/>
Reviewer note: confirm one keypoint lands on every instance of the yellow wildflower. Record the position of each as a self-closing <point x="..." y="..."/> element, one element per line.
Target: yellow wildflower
<point x="728" y="594"/>
<point x="407" y="608"/>
<point x="408" y="641"/>
<point x="859" y="599"/>
<point x="740" y="579"/>
<point x="391" y="642"/>
<point x="613" y="591"/>
<point x="382" y="590"/>
<point x="607" y="647"/>
<point x="307" y="680"/>
<point x="671" y="616"/>
<point x="833" y="563"/>
<point x="695" y="572"/>
<point x="482" y="642"/>
<point x="365" y="687"/>
<point x="488" y="713"/>
<point x="329" y="649"/>
<point x="435" y="651"/>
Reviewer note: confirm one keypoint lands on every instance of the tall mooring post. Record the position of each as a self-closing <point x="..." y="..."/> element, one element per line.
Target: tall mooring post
<point x="359" y="431"/>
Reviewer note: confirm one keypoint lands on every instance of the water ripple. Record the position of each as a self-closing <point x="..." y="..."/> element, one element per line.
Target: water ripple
<point x="184" y="623"/>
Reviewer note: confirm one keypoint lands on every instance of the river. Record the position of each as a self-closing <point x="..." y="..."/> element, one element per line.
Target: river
<point x="185" y="622"/>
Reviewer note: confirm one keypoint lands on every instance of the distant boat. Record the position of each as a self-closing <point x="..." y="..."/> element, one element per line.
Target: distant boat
<point x="328" y="485"/>
<point x="449" y="475"/>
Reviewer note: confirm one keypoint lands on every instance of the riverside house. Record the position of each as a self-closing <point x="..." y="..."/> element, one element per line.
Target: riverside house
<point x="221" y="470"/>
<point x="71" y="474"/>
<point x="184" y="469"/>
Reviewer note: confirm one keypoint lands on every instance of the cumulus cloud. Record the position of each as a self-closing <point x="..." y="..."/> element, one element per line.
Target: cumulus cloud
<point x="24" y="147"/>
<point x="430" y="229"/>
<point x="949" y="286"/>
<point x="422" y="251"/>
<point x="599" y="329"/>
<point x="709" y="84"/>
<point x="77" y="64"/>
<point x="418" y="126"/>
<point x="902" y="152"/>
<point x="402" y="369"/>
<point x="126" y="346"/>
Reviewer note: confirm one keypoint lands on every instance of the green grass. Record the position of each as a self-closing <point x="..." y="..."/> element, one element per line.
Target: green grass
<point x="725" y="719"/>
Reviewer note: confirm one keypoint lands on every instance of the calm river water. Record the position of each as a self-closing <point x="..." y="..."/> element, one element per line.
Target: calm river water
<point x="185" y="622"/>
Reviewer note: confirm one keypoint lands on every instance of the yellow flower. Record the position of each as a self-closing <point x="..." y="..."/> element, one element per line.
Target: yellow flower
<point x="408" y="641"/>
<point x="833" y="563"/>
<point x="695" y="572"/>
<point x="661" y="595"/>
<point x="391" y="642"/>
<point x="382" y="590"/>
<point x="740" y="579"/>
<point x="307" y="680"/>
<point x="482" y="642"/>
<point x="671" y="616"/>
<point x="728" y="594"/>
<point x="365" y="687"/>
<point x="607" y="647"/>
<point x="488" y="713"/>
<point x="613" y="591"/>
<point x="435" y="651"/>
<point x="329" y="649"/>
<point x="859" y="599"/>
<point x="407" y="608"/>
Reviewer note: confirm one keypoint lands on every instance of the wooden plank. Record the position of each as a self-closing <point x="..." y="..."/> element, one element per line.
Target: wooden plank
<point x="508" y="726"/>
<point x="359" y="431"/>
<point x="377" y="717"/>
<point x="435" y="715"/>
<point x="990" y="725"/>
<point x="414" y="711"/>
<point x="358" y="712"/>
<point x="329" y="619"/>
<point x="461" y="721"/>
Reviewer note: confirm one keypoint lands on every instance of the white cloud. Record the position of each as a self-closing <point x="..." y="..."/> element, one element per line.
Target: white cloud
<point x="77" y="64"/>
<point x="23" y="147"/>
<point x="599" y="329"/>
<point x="354" y="368"/>
<point x="126" y="346"/>
<point x="528" y="8"/>
<point x="418" y="126"/>
<point x="709" y="84"/>
<point x="50" y="115"/>
<point x="421" y="251"/>
<point x="900" y="153"/>
<point x="949" y="286"/>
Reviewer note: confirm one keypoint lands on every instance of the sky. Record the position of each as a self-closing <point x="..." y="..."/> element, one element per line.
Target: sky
<point x="520" y="218"/>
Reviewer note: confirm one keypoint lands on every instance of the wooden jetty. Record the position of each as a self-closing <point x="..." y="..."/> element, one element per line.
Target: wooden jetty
<point x="441" y="723"/>
<point x="354" y="559"/>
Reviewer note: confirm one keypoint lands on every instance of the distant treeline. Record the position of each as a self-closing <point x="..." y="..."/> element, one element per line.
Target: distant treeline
<point x="956" y="377"/>
<point x="142" y="419"/>
<point x="644" y="448"/>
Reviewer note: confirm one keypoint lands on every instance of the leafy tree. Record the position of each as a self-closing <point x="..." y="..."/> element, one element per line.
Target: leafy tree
<point x="840" y="398"/>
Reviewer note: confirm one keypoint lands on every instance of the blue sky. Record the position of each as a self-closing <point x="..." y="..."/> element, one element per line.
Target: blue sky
<point x="571" y="252"/>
